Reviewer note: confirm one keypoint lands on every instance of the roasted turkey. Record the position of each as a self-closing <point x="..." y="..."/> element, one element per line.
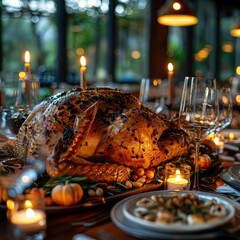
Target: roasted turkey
<point x="101" y="133"/>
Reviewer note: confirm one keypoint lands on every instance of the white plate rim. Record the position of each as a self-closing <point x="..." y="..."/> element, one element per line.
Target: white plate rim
<point x="133" y="230"/>
<point x="180" y="228"/>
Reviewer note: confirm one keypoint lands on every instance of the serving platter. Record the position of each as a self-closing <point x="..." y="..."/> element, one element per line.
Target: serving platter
<point x="55" y="209"/>
<point x="134" y="230"/>
<point x="130" y="205"/>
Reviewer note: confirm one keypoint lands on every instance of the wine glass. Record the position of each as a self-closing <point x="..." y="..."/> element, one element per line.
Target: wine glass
<point x="198" y="113"/>
<point x="225" y="109"/>
<point x="225" y="115"/>
<point x="151" y="94"/>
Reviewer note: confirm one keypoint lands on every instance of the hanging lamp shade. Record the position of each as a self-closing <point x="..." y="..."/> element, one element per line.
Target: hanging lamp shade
<point x="236" y="31"/>
<point x="176" y="13"/>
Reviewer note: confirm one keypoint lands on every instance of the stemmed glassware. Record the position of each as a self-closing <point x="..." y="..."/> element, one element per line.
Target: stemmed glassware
<point x="151" y="94"/>
<point x="198" y="114"/>
<point x="225" y="109"/>
<point x="224" y="117"/>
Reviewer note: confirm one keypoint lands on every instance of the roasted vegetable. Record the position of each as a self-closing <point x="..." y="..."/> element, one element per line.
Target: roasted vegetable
<point x="68" y="194"/>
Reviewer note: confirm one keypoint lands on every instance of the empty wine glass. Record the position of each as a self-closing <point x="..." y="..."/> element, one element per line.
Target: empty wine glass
<point x="198" y="113"/>
<point x="225" y="109"/>
<point x="151" y="94"/>
<point x="27" y="95"/>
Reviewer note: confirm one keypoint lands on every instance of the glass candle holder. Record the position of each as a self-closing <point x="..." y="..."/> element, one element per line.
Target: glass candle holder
<point x="27" y="95"/>
<point x="26" y="217"/>
<point x="219" y="141"/>
<point x="177" y="179"/>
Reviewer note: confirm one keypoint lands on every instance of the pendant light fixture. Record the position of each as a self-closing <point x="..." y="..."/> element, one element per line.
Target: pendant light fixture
<point x="176" y="13"/>
<point x="236" y="31"/>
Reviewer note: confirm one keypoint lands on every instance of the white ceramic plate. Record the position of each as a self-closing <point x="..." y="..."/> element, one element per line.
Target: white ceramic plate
<point x="134" y="230"/>
<point x="130" y="205"/>
<point x="234" y="171"/>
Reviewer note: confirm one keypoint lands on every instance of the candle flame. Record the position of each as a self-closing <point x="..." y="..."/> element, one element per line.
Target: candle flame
<point x="10" y="204"/>
<point x="176" y="6"/>
<point x="178" y="172"/>
<point x="178" y="178"/>
<point x="25" y="179"/>
<point x="82" y="61"/>
<point x="29" y="213"/>
<point x="170" y="67"/>
<point x="231" y="136"/>
<point x="21" y="75"/>
<point x="28" y="204"/>
<point x="216" y="140"/>
<point x="27" y="57"/>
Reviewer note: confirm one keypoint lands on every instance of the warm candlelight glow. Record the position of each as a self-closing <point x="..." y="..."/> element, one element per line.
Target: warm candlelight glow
<point x="231" y="136"/>
<point x="29" y="213"/>
<point x="29" y="220"/>
<point x="170" y="68"/>
<point x="177" y="182"/>
<point x="28" y="204"/>
<point x="27" y="57"/>
<point x="216" y="140"/>
<point x="83" y="72"/>
<point x="21" y="75"/>
<point x="177" y="172"/>
<point x="10" y="204"/>
<point x="176" y="6"/>
<point x="27" y="65"/>
<point x="25" y="179"/>
<point x="83" y="61"/>
<point x="219" y="143"/>
<point x="170" y="85"/>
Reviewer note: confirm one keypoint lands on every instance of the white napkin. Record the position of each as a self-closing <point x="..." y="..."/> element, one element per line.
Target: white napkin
<point x="81" y="236"/>
<point x="227" y="189"/>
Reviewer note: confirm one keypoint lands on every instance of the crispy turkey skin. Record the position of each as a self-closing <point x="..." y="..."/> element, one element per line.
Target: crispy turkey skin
<point x="101" y="133"/>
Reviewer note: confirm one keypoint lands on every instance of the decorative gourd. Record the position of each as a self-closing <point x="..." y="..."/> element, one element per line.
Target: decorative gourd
<point x="68" y="194"/>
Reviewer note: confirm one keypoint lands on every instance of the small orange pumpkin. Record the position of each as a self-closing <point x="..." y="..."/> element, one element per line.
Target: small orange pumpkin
<point x="68" y="194"/>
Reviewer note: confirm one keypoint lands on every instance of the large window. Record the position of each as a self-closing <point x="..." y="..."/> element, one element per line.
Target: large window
<point x="88" y="31"/>
<point x="28" y="26"/>
<point x="206" y="48"/>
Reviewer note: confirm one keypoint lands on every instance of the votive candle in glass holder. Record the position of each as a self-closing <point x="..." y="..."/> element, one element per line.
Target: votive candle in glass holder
<point x="27" y="217"/>
<point x="177" y="179"/>
<point x="219" y="141"/>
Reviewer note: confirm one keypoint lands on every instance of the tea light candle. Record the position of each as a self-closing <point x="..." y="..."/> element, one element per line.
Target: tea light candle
<point x="219" y="143"/>
<point x="29" y="220"/>
<point x="177" y="182"/>
<point x="231" y="136"/>
<point x="83" y="72"/>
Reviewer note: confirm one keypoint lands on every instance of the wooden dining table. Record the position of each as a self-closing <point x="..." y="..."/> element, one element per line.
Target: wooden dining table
<point x="64" y="225"/>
